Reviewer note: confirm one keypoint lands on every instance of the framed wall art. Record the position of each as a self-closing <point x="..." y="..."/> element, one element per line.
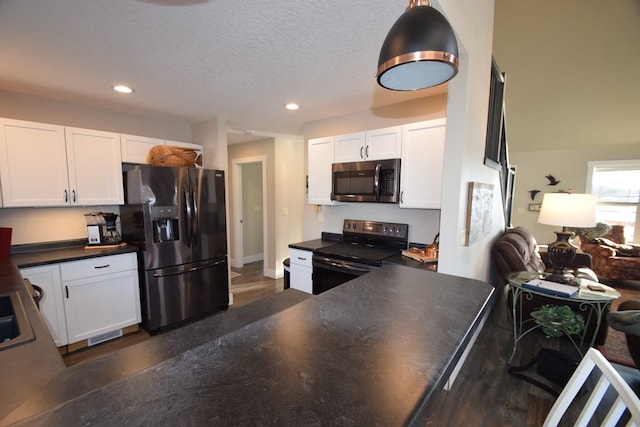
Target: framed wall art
<point x="479" y="212"/>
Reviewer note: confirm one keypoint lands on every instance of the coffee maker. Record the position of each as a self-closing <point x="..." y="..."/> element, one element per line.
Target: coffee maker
<point x="110" y="233"/>
<point x="102" y="229"/>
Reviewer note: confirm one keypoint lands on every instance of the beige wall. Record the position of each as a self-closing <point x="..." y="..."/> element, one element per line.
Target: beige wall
<point x="284" y="196"/>
<point x="393" y="115"/>
<point x="568" y="166"/>
<point x="249" y="151"/>
<point x="290" y="196"/>
<point x="35" y="225"/>
<point x="44" y="110"/>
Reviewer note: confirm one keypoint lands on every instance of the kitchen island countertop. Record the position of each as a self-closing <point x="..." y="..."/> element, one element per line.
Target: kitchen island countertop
<point x="372" y="351"/>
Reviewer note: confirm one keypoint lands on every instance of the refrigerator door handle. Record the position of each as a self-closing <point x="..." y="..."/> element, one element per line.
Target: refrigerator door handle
<point x="189" y="270"/>
<point x="188" y="216"/>
<point x="195" y="220"/>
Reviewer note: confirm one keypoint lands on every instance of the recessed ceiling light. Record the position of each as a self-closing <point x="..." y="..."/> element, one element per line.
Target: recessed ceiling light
<point x="122" y="89"/>
<point x="292" y="106"/>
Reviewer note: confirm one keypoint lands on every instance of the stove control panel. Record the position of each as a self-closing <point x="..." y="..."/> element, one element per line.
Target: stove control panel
<point x="375" y="228"/>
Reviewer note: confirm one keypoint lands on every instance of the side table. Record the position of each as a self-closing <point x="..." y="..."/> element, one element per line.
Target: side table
<point x="591" y="303"/>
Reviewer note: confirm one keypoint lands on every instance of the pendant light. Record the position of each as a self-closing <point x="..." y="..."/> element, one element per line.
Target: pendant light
<point x="420" y="50"/>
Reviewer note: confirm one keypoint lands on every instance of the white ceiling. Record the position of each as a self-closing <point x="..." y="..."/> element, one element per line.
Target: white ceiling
<point x="572" y="66"/>
<point x="198" y="59"/>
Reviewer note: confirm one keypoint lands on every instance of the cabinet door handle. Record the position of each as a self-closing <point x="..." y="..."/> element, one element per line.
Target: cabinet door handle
<point x="74" y="195"/>
<point x="366" y="152"/>
<point x="302" y="259"/>
<point x="361" y="153"/>
<point x="66" y="291"/>
<point x="402" y="196"/>
<point x="66" y="196"/>
<point x="102" y="266"/>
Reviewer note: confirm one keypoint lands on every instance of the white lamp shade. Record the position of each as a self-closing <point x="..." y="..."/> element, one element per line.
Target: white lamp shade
<point x="568" y="210"/>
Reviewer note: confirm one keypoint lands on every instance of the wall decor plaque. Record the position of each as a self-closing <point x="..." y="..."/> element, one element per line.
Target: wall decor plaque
<point x="479" y="211"/>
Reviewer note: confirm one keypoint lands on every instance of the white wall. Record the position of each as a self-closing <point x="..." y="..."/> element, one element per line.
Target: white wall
<point x="465" y="141"/>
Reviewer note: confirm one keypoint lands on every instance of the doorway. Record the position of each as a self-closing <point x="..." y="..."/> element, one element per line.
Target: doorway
<point x="249" y="211"/>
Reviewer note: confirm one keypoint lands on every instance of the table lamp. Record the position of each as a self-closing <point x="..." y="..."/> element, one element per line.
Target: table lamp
<point x="566" y="210"/>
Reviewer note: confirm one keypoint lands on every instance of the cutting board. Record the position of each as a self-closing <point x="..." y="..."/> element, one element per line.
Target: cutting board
<point x="418" y="257"/>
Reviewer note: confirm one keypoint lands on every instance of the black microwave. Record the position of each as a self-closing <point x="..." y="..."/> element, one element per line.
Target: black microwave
<point x="370" y="181"/>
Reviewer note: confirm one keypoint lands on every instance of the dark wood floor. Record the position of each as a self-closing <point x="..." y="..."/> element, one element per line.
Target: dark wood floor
<point x="484" y="394"/>
<point x="251" y="285"/>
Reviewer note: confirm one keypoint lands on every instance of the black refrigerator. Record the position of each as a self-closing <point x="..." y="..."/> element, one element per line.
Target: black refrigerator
<point x="177" y="217"/>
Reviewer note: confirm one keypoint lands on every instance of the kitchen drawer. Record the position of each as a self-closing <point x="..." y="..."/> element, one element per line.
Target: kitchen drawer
<point x="300" y="257"/>
<point x="98" y="266"/>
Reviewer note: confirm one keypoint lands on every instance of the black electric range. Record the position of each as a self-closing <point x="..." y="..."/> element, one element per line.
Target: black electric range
<point x="365" y="245"/>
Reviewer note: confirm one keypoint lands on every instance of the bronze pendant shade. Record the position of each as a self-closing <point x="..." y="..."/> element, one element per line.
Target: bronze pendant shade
<point x="420" y="50"/>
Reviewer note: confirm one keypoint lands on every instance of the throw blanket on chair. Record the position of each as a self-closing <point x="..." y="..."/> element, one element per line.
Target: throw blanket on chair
<point x="620" y="248"/>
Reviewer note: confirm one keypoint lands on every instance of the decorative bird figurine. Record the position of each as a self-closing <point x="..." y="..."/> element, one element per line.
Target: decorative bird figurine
<point x="533" y="193"/>
<point x="552" y="180"/>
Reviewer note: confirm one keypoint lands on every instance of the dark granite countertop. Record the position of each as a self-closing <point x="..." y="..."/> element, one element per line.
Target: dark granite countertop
<point x="29" y="366"/>
<point x="50" y="253"/>
<point x="327" y="239"/>
<point x="69" y="383"/>
<point x="370" y="352"/>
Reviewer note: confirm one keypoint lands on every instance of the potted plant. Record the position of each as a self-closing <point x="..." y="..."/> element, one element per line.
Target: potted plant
<point x="557" y="320"/>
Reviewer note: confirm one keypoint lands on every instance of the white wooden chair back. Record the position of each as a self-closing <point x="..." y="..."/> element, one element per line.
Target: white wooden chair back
<point x="610" y="378"/>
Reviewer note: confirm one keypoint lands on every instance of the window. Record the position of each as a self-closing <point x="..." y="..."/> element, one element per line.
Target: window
<point x="616" y="185"/>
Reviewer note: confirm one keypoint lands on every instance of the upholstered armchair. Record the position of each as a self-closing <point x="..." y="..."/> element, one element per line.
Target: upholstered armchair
<point x="612" y="257"/>
<point x="517" y="250"/>
<point x="627" y="320"/>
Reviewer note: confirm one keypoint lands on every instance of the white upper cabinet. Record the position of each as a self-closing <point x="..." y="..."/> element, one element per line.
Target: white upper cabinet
<point x="384" y="143"/>
<point x="95" y="167"/>
<point x="422" y="164"/>
<point x="321" y="155"/>
<point x="371" y="145"/>
<point x="33" y="164"/>
<point x="349" y="147"/>
<point x="135" y="148"/>
<point x="49" y="165"/>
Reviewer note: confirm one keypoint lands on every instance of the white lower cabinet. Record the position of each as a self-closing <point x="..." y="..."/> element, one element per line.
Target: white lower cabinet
<point x="300" y="270"/>
<point x="97" y="305"/>
<point x="90" y="297"/>
<point x="51" y="305"/>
